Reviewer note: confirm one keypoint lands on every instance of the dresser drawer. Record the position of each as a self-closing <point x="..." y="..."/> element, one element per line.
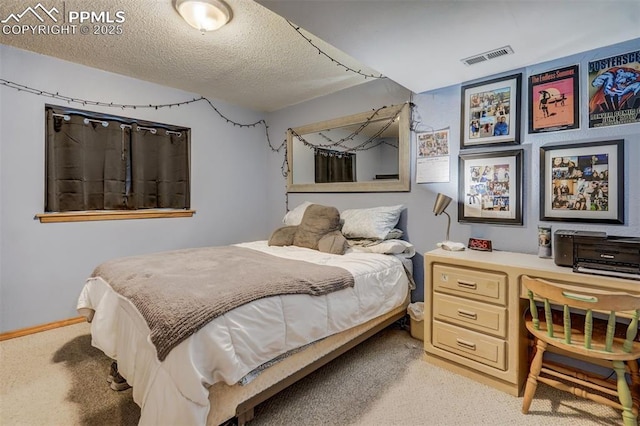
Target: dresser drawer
<point x="476" y="315"/>
<point x="469" y="344"/>
<point x="471" y="283"/>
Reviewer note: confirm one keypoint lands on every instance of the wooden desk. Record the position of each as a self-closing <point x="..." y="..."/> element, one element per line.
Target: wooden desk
<point x="473" y="311"/>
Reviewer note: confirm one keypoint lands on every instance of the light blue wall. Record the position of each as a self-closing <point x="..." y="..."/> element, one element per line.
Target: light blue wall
<point x="43" y="266"/>
<point x="441" y="109"/>
<point x="237" y="188"/>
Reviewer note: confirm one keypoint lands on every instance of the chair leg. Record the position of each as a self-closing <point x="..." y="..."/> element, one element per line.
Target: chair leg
<point x="534" y="371"/>
<point x="635" y="384"/>
<point x="624" y="394"/>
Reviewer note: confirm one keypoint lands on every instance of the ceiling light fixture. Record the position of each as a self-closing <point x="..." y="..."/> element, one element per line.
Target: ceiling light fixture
<point x="204" y="15"/>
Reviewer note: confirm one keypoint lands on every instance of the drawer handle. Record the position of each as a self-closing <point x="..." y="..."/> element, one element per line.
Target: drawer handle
<point x="465" y="344"/>
<point x="467" y="284"/>
<point x="467" y="314"/>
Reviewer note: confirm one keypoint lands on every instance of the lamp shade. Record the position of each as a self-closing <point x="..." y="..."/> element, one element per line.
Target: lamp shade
<point x="442" y="201"/>
<point x="204" y="15"/>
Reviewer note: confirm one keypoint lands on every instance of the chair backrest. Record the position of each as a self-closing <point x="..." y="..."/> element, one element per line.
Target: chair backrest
<point x="587" y="299"/>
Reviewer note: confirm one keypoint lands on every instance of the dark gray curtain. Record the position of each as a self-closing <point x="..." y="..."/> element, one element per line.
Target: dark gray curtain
<point x="332" y="168"/>
<point x="160" y="170"/>
<point x="92" y="167"/>
<point x="84" y="166"/>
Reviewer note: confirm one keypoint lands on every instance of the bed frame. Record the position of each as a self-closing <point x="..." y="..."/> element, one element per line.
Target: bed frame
<point x="239" y="401"/>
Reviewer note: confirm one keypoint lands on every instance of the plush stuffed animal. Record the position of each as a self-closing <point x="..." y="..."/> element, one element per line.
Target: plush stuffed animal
<point x="318" y="230"/>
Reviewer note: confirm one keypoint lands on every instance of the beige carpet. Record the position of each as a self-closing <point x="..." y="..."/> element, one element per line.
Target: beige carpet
<point x="57" y="378"/>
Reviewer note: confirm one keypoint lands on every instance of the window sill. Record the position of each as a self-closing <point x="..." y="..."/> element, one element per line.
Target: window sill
<point x="86" y="216"/>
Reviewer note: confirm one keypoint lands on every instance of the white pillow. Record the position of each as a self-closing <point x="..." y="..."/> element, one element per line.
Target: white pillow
<point x="375" y="222"/>
<point x="294" y="217"/>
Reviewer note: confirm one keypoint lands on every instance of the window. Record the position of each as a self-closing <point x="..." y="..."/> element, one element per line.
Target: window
<point x="97" y="162"/>
<point x="334" y="166"/>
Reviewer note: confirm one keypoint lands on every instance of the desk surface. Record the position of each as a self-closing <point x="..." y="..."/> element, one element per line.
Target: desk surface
<point x="530" y="264"/>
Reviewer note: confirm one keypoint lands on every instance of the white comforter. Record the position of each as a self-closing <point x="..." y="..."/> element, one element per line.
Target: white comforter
<point x="175" y="391"/>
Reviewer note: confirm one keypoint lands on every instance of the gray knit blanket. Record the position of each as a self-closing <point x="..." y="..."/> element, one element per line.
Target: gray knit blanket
<point x="178" y="292"/>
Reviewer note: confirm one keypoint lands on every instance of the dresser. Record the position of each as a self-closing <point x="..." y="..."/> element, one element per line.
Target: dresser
<point x="474" y="305"/>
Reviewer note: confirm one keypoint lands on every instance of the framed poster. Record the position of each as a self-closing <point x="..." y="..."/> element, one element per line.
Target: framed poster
<point x="614" y="90"/>
<point x="490" y="187"/>
<point x="554" y="100"/>
<point x="490" y="112"/>
<point x="583" y="182"/>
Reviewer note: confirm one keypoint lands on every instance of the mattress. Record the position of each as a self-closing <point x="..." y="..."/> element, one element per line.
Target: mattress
<point x="176" y="390"/>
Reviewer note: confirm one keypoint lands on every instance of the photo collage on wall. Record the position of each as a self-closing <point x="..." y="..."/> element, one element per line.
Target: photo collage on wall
<point x="490" y="113"/>
<point x="580" y="182"/>
<point x="489" y="188"/>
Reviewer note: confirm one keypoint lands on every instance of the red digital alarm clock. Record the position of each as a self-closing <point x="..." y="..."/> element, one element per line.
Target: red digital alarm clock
<point x="479" y="244"/>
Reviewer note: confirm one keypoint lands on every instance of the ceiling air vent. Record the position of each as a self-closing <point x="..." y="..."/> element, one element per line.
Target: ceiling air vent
<point x="492" y="54"/>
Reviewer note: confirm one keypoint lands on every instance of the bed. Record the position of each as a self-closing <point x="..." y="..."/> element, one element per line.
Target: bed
<point x="247" y="354"/>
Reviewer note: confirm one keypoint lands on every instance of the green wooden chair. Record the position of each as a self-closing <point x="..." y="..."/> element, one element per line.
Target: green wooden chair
<point x="586" y="343"/>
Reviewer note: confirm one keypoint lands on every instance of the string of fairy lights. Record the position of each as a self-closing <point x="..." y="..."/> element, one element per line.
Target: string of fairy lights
<point x="90" y="102"/>
<point x="370" y="143"/>
<point x="85" y="102"/>
<point x="344" y="149"/>
<point x="284" y="168"/>
<point x="283" y="146"/>
<point x="367" y="144"/>
<point x="338" y="63"/>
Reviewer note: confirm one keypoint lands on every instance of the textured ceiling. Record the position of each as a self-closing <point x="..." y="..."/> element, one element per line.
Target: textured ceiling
<point x="259" y="61"/>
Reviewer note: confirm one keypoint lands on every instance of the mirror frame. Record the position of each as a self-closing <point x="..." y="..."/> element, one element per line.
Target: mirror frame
<point x="402" y="184"/>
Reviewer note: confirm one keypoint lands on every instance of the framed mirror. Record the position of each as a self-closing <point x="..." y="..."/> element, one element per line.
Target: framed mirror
<point x="366" y="152"/>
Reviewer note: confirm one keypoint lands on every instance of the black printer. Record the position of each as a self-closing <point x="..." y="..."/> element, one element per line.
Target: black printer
<point x="596" y="253"/>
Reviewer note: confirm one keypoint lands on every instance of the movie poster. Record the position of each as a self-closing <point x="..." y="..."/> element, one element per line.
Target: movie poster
<point x="614" y="90"/>
<point x="554" y="98"/>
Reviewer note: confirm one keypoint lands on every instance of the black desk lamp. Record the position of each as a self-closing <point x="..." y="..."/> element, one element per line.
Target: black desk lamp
<point x="442" y="202"/>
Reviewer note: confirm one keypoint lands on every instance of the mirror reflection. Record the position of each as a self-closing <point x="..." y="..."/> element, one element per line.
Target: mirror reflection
<point x="359" y="153"/>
